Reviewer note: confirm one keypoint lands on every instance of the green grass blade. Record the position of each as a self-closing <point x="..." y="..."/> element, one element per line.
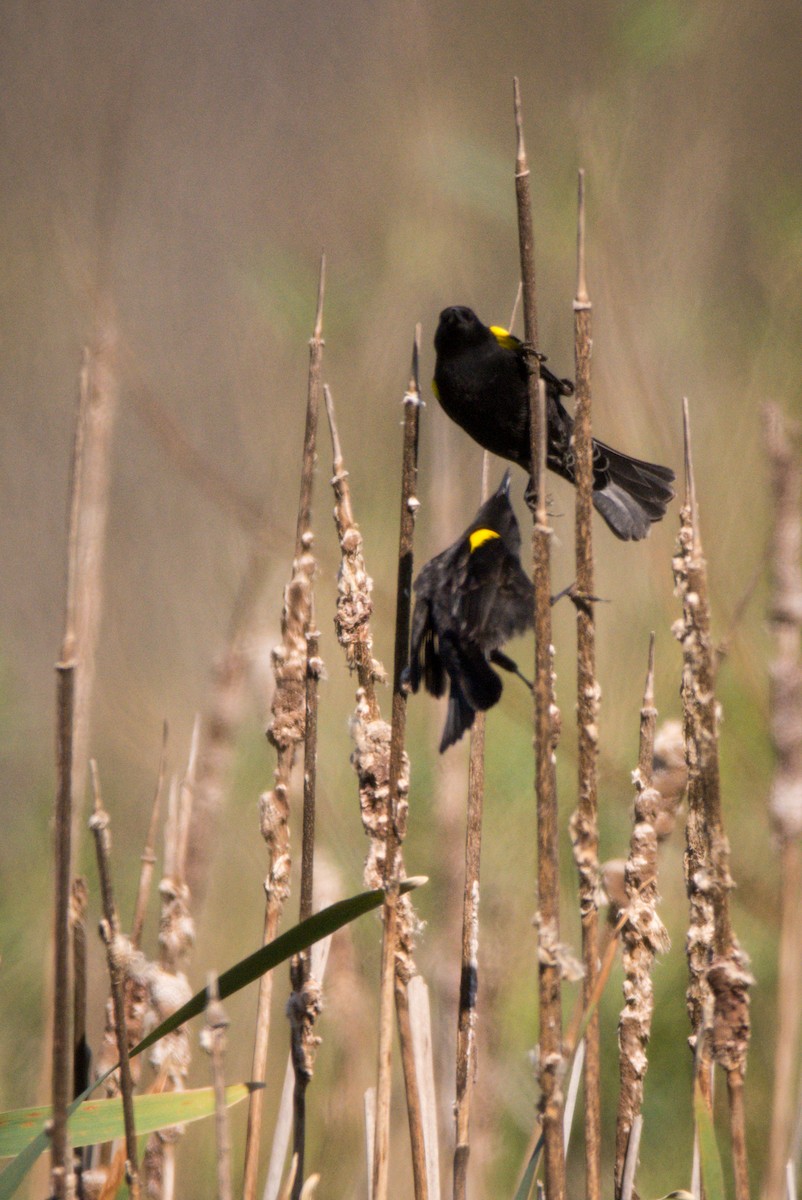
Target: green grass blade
<point x="99" y="1121"/>
<point x="526" y="1184"/>
<point x="712" y="1173"/>
<point x="318" y="926"/>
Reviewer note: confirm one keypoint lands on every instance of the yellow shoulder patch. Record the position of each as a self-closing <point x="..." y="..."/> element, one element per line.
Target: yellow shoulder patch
<point x="436" y="390"/>
<point x="504" y="338"/>
<point x="480" y="536"/>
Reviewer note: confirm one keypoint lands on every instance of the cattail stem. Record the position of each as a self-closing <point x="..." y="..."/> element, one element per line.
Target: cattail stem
<point x="110" y="932"/>
<point x="398" y="773"/>
<point x="216" y="1025"/>
<point x="469" y="970"/>
<point x="643" y="935"/>
<point x="546" y="731"/>
<point x="469" y="961"/>
<point x="286" y="732"/>
<point x="584" y="824"/>
<point x="718" y="991"/>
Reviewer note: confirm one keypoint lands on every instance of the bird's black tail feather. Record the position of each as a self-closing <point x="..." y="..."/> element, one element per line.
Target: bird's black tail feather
<point x="459" y="717"/>
<point x="636" y="495"/>
<point x="475" y="686"/>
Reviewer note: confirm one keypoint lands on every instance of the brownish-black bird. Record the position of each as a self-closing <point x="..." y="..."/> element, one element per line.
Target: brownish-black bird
<point x="480" y="379"/>
<point x="469" y="600"/>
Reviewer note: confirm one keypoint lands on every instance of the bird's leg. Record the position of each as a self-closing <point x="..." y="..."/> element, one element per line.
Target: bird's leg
<point x="563" y="387"/>
<point x="530" y="499"/>
<point x="507" y="664"/>
<point x="580" y="600"/>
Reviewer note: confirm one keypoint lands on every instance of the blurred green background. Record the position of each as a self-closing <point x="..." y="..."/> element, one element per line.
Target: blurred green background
<point x="191" y="160"/>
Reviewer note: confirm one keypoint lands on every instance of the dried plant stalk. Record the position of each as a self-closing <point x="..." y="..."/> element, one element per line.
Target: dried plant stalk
<point x="97" y="411"/>
<point x="168" y="987"/>
<point x="117" y="955"/>
<point x="397" y="937"/>
<point x="584" y="823"/>
<point x="469" y="958"/>
<point x="719" y="974"/>
<point x="282" y="1128"/>
<point x="546" y="720"/>
<point x="213" y="1040"/>
<point x="62" y="1177"/>
<point x="81" y="1060"/>
<point x="354" y="584"/>
<point x="372" y="738"/>
<point x="421" y="1034"/>
<point x="286" y="732"/>
<point x="305" y="1002"/>
<point x="785" y="672"/>
<point x="643" y="935"/>
<point x="97" y="398"/>
<point x="149" y="852"/>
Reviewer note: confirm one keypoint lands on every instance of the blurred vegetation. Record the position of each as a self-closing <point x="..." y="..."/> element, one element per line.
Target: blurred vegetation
<point x="192" y="161"/>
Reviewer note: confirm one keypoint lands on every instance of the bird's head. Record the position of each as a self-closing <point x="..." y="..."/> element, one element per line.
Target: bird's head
<point x="459" y="327"/>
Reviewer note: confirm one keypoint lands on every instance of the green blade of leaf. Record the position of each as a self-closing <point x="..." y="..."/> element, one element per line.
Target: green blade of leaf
<point x="318" y="926"/>
<point x="301" y="936"/>
<point x="99" y="1121"/>
<point x="709" y="1157"/>
<point x="525" y="1186"/>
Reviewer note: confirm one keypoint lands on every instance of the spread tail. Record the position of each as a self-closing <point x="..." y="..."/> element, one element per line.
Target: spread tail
<point x="636" y="494"/>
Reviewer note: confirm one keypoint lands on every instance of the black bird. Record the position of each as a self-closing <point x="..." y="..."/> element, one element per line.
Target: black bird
<point x="469" y="600"/>
<point x="480" y="379"/>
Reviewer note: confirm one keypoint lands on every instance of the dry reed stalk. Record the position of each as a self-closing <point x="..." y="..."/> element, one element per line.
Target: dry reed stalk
<point x="286" y="733"/>
<point x="97" y="402"/>
<point x="371" y="758"/>
<point x="81" y="1053"/>
<point x="643" y="935"/>
<point x="422" y="1043"/>
<point x="785" y="802"/>
<point x="631" y="1160"/>
<point x="81" y="1057"/>
<point x="118" y="951"/>
<point x="546" y="719"/>
<point x="719" y="974"/>
<point x="97" y="412"/>
<point x="213" y="1040"/>
<point x="469" y="961"/>
<point x="305" y="1002"/>
<point x="168" y="987"/>
<point x="396" y="963"/>
<point x="584" y="822"/>
<point x="284" y="1119"/>
<point x="467" y="1014"/>
<point x="137" y="987"/>
<point x="148" y="857"/>
<point x="62" y="1178"/>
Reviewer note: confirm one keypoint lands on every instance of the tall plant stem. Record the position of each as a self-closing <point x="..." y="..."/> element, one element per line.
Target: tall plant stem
<point x="286" y="732"/>
<point x="550" y="1014"/>
<point x="397" y="773"/>
<point x="584" y="825"/>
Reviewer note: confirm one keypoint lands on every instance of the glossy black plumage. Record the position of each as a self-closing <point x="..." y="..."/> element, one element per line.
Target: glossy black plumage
<point x="480" y="380"/>
<point x="469" y="600"/>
